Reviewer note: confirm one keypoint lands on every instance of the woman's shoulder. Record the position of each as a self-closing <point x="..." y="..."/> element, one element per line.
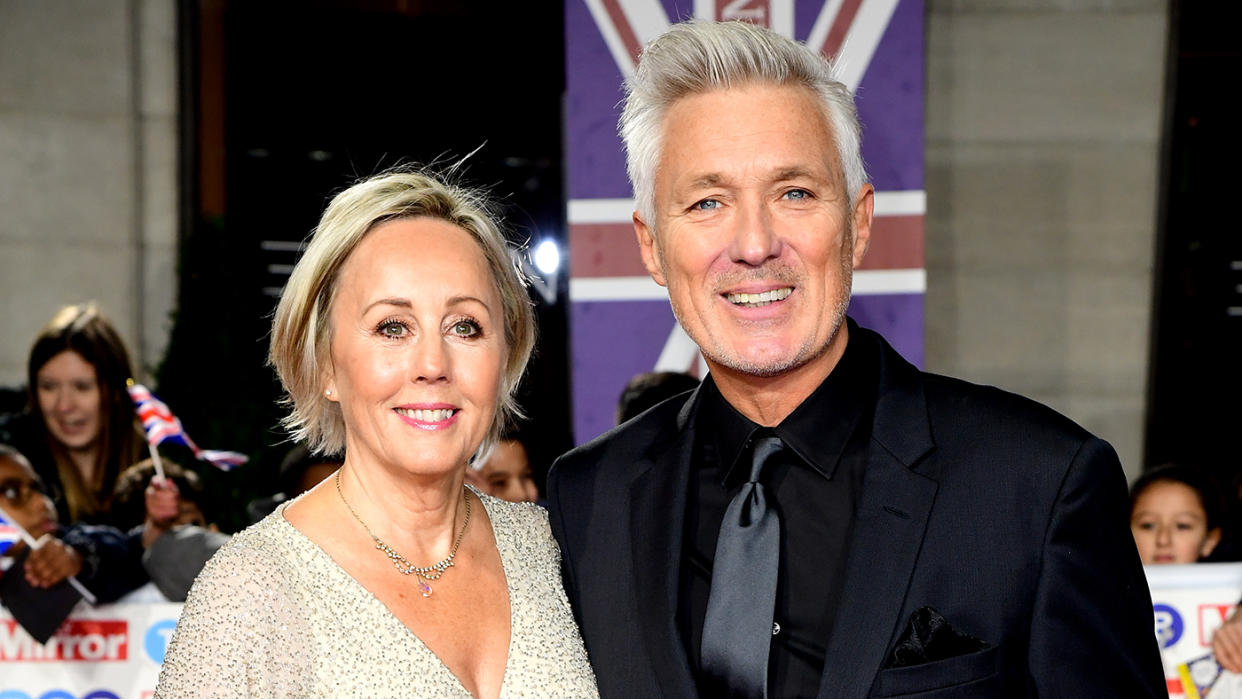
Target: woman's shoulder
<point x="518" y="515"/>
<point x="262" y="550"/>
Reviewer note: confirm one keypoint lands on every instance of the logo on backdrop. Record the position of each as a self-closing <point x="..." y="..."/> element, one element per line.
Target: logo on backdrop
<point x="156" y="639"/>
<point x="1169" y="625"/>
<point x="87" y="640"/>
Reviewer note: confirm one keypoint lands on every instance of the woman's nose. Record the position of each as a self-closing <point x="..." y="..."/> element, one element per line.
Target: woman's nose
<point x="1164" y="535"/>
<point x="64" y="401"/>
<point x="431" y="362"/>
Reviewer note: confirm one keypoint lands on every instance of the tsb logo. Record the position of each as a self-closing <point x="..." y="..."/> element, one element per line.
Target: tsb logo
<point x="57" y="694"/>
<point x="76" y="640"/>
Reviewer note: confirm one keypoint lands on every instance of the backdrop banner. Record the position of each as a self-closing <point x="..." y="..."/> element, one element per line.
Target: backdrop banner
<point x="107" y="652"/>
<point x="620" y="321"/>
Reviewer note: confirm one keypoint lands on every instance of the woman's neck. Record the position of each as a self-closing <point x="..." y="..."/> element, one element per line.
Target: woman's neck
<point x="418" y="517"/>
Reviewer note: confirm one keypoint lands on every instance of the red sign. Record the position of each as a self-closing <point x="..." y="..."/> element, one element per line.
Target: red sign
<point x="88" y="640"/>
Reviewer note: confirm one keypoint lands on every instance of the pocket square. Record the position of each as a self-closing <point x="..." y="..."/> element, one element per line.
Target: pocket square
<point x="929" y="637"/>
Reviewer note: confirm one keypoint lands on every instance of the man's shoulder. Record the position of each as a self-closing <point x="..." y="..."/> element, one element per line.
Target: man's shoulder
<point x="628" y="442"/>
<point x="960" y="404"/>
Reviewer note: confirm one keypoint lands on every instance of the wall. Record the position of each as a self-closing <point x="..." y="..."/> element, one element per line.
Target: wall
<point x="88" y="169"/>
<point x="1043" y="130"/>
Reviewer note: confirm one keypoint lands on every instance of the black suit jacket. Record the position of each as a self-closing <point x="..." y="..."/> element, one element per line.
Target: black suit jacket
<point x="1005" y="517"/>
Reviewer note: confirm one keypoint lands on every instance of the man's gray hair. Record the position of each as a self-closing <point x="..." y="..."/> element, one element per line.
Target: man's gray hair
<point x="695" y="57"/>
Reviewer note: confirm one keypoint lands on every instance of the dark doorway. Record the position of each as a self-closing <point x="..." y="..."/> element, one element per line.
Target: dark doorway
<point x="286" y="104"/>
<point x="1195" y="403"/>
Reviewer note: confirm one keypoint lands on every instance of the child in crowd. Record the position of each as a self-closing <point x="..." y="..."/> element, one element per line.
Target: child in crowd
<point x="170" y="518"/>
<point x="1175" y="515"/>
<point x="506" y="474"/>
<point x="101" y="558"/>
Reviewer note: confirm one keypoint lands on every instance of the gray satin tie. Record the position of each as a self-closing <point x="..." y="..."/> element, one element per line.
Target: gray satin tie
<point x="737" y="628"/>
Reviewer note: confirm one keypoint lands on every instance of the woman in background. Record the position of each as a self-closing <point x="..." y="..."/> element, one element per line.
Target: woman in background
<point x="80" y="430"/>
<point x="1175" y="515"/>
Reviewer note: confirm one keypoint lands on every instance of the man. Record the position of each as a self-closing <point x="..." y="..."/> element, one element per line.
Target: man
<point x="819" y="518"/>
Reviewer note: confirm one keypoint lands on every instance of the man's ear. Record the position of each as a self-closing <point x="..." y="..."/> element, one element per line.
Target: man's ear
<point x="650" y="250"/>
<point x="864" y="208"/>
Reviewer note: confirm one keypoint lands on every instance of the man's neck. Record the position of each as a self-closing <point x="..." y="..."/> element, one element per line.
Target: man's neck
<point x="767" y="400"/>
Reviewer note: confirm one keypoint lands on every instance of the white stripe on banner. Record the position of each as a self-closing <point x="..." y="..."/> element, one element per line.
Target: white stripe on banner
<point x="645" y="19"/>
<point x="868" y="282"/>
<point x="899" y="203"/>
<point x="823" y="24"/>
<point x="862" y="40"/>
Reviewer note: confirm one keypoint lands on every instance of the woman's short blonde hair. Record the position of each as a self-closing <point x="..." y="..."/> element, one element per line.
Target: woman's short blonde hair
<point x="301" y="329"/>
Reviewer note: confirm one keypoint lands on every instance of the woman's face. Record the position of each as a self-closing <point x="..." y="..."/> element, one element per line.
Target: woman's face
<point x="1170" y="525"/>
<point x="417" y="347"/>
<point x="69" y="398"/>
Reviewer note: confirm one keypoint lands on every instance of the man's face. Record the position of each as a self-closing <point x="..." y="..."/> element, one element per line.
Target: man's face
<point x="752" y="230"/>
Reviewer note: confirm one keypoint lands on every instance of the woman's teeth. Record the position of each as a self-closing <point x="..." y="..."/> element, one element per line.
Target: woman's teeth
<point x="427" y="415"/>
<point x="763" y="299"/>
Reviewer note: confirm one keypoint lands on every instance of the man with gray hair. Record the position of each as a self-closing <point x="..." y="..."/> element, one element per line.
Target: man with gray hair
<point x="820" y="518"/>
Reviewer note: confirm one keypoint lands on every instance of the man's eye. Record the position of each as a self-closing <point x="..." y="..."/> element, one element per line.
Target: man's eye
<point x="707" y="205"/>
<point x="797" y="194"/>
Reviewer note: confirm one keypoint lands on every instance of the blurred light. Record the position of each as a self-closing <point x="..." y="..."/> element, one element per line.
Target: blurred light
<point x="547" y="257"/>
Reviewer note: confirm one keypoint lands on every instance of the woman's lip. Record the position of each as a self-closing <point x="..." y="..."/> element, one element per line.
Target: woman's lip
<point x="427" y="424"/>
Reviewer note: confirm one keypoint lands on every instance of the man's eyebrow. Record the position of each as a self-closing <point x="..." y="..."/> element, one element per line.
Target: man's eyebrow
<point x="710" y="179"/>
<point x="792" y="173"/>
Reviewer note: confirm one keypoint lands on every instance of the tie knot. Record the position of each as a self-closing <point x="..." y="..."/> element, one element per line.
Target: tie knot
<point x="764" y="449"/>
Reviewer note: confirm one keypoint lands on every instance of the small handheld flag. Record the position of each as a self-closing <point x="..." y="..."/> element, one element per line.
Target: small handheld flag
<point x="161" y="426"/>
<point x="11" y="532"/>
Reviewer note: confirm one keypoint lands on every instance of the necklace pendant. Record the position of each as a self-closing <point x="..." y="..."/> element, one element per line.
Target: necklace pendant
<point x="425" y="588"/>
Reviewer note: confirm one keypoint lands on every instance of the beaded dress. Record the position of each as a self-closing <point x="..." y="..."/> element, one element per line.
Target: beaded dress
<point x="272" y="615"/>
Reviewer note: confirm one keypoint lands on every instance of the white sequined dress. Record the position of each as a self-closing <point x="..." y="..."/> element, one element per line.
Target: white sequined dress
<point x="272" y="615"/>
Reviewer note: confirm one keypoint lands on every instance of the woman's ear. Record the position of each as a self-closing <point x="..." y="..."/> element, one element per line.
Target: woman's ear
<point x="1209" y="543"/>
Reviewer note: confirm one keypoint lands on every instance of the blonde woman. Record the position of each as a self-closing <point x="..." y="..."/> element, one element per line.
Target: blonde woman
<point x="400" y="337"/>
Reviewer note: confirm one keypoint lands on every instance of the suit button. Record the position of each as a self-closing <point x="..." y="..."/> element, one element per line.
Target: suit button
<point x="776" y="628"/>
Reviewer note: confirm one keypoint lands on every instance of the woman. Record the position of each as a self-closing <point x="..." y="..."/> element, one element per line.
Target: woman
<point x="1175" y="514"/>
<point x="400" y="337"/>
<point x="81" y="430"/>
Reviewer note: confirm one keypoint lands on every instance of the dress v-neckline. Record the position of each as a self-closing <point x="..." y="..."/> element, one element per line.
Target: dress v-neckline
<point x="329" y="562"/>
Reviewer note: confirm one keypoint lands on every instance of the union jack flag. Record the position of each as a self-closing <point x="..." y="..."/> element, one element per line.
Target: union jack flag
<point x="162" y="426"/>
<point x="10" y="533"/>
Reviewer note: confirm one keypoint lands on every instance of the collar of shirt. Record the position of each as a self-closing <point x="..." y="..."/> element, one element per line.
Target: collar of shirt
<point x="817" y="430"/>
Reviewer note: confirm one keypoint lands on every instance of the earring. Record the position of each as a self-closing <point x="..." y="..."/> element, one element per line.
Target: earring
<point x="328" y="392"/>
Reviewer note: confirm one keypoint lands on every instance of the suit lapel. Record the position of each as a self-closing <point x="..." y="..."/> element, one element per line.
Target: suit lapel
<point x="888" y="532"/>
<point x="657" y="516"/>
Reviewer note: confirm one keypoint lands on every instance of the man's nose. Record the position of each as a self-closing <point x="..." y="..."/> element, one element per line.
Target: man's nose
<point x="755" y="239"/>
<point x="1164" y="535"/>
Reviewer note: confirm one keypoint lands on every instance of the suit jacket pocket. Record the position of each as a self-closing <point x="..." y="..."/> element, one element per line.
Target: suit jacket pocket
<point x="948" y="674"/>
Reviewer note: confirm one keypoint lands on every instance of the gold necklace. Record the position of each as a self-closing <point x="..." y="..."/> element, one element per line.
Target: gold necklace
<point x="403" y="565"/>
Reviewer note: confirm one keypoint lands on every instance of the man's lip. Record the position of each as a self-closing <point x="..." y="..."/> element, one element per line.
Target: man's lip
<point x="755" y="288"/>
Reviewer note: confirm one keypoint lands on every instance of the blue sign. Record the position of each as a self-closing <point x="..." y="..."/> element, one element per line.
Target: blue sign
<point x="156" y="640"/>
<point x="1169" y="625"/>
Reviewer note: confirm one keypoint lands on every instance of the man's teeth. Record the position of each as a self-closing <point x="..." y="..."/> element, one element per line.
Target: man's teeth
<point x="427" y="415"/>
<point x="756" y="300"/>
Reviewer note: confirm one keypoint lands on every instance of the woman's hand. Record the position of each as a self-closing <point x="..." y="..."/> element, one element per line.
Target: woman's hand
<point x="52" y="562"/>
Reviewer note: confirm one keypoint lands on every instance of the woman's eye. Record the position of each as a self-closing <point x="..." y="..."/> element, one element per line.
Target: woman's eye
<point x="465" y="328"/>
<point x="392" y="329"/>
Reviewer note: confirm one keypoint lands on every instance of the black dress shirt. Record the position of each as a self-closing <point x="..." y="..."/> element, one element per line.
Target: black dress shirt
<point x="815" y="483"/>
